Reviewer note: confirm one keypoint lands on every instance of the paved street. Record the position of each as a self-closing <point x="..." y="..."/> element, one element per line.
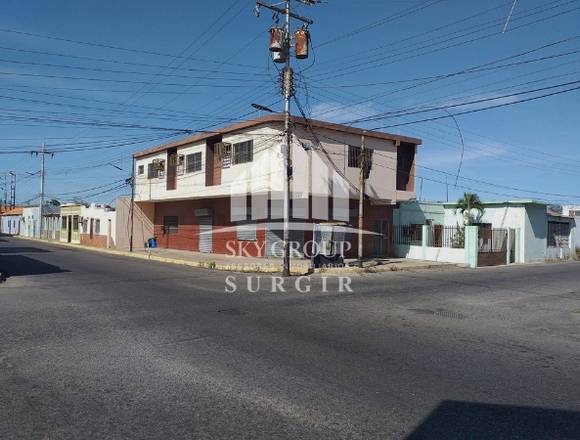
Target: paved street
<point x="94" y="346"/>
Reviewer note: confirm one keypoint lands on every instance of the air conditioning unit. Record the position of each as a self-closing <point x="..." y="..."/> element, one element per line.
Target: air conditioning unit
<point x="223" y="150"/>
<point x="180" y="164"/>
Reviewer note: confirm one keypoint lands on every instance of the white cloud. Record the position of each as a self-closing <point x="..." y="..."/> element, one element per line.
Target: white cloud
<point x="431" y="155"/>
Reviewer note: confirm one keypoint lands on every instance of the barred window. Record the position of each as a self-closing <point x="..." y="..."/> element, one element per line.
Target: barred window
<point x="156" y="169"/>
<point x="193" y="162"/>
<point x="243" y="152"/>
<point x="354" y="157"/>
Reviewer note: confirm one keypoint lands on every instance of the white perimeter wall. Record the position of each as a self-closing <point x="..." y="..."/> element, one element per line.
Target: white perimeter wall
<point x="441" y="255"/>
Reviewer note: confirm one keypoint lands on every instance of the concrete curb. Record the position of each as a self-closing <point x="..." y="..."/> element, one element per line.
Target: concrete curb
<point x="200" y="264"/>
<point x="247" y="268"/>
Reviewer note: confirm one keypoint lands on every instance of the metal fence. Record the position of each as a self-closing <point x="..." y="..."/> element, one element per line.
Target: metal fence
<point x="446" y="237"/>
<point x="438" y="236"/>
<point x="408" y="235"/>
<point x="558" y="234"/>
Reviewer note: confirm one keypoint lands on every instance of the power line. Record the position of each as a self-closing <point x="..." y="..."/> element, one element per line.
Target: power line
<point x="501" y="186"/>
<point x="114" y="47"/>
<point x="406" y="54"/>
<point x="357" y="31"/>
<point x="420" y="109"/>
<point x="469" y="69"/>
<point x="467" y="112"/>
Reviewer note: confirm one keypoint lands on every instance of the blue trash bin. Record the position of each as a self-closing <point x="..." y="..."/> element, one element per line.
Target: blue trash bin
<point x="152" y="243"/>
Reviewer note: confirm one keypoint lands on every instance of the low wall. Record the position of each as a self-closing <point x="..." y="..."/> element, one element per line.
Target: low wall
<point x="99" y="241"/>
<point x="441" y="255"/>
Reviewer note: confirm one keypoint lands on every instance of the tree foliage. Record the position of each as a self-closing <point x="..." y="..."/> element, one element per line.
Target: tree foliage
<point x="470" y="207"/>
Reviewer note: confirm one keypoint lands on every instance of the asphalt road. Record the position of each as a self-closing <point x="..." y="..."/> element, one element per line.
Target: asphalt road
<point x="94" y="346"/>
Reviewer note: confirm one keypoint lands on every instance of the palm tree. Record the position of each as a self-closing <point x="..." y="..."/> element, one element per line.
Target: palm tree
<point x="469" y="203"/>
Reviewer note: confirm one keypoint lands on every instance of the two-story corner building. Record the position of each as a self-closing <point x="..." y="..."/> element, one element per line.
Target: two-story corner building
<point x="222" y="191"/>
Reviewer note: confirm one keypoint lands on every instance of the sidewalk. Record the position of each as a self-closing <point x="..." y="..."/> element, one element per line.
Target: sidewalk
<point x="252" y="264"/>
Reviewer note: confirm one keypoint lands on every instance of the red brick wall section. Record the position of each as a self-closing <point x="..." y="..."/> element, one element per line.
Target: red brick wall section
<point x="372" y="213"/>
<point x="224" y="232"/>
<point x="99" y="241"/>
<point x="187" y="238"/>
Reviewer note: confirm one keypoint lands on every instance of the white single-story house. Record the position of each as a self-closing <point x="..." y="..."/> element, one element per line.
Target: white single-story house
<point x="11" y="221"/>
<point x="525" y="227"/>
<point x="98" y="226"/>
<point x="528" y="217"/>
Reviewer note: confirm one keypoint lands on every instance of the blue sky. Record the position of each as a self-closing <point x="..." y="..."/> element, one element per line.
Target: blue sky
<point x="199" y="64"/>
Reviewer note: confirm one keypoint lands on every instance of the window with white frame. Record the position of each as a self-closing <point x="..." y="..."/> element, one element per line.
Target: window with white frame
<point x="193" y="163"/>
<point x="156" y="169"/>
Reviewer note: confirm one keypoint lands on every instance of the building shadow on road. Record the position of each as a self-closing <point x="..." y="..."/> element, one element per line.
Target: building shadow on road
<point x="22" y="250"/>
<point x="20" y="265"/>
<point x="455" y="420"/>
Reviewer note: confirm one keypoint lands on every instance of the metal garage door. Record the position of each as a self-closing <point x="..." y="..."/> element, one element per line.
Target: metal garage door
<point x="275" y="242"/>
<point x="205" y="234"/>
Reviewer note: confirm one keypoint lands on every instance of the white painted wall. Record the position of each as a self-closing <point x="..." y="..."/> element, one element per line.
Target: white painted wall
<point x="10" y="224"/>
<point x="417" y="213"/>
<point x="382" y="182"/>
<point x="534" y="235"/>
<point x="530" y="219"/>
<point x="99" y="212"/>
<point x="265" y="173"/>
<point x="441" y="255"/>
<point x="30" y="222"/>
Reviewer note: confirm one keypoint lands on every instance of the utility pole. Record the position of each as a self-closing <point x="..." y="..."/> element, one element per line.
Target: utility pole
<point x="42" y="153"/>
<point x="132" y="213"/>
<point x="361" y="198"/>
<point x="5" y="191"/>
<point x="283" y="50"/>
<point x="288" y="78"/>
<point x="12" y="189"/>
